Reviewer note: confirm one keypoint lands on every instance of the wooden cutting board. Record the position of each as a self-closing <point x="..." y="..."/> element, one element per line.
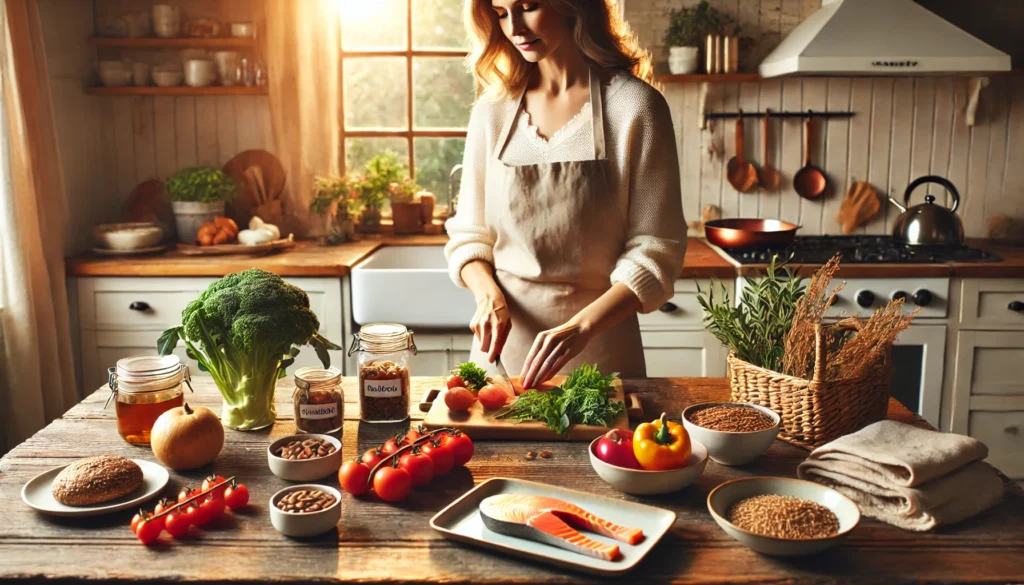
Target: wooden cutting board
<point x="481" y="424"/>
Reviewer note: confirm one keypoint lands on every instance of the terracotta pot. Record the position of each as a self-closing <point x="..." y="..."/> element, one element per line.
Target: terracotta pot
<point x="408" y="217"/>
<point x="427" y="202"/>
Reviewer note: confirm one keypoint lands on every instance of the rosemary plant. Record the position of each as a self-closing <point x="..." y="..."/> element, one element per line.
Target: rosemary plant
<point x="755" y="329"/>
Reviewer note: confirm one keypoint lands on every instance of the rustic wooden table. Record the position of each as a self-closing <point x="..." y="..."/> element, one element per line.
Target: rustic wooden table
<point x="377" y="542"/>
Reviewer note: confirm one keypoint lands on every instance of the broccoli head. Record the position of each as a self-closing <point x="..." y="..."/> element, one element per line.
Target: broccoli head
<point x="244" y="330"/>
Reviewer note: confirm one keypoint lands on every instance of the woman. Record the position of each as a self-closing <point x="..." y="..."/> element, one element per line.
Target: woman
<point x="570" y="216"/>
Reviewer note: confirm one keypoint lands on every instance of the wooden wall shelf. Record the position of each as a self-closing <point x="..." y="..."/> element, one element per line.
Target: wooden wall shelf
<point x="712" y="78"/>
<point x="176" y="91"/>
<point x="173" y="43"/>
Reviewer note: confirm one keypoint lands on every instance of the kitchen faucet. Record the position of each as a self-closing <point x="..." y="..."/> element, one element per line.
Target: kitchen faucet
<point x="452" y="196"/>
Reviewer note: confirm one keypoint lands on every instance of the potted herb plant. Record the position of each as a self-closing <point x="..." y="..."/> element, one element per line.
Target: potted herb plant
<point x="197" y="196"/>
<point x="406" y="209"/>
<point x="333" y="198"/>
<point x="374" y="188"/>
<point x="687" y="29"/>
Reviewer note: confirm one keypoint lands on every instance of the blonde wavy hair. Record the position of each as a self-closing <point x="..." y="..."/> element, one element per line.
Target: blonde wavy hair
<point x="602" y="37"/>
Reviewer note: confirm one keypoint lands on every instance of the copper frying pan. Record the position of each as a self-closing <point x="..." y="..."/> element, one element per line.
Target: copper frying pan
<point x="749" y="232"/>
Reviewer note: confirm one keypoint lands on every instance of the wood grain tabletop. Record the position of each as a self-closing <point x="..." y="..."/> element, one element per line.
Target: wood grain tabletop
<point x="381" y="543"/>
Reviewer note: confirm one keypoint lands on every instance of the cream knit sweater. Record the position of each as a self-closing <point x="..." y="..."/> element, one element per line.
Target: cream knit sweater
<point x="641" y="148"/>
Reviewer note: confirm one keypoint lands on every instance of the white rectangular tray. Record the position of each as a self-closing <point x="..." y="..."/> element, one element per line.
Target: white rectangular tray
<point x="461" y="521"/>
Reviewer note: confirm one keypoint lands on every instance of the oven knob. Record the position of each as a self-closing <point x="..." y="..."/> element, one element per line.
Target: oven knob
<point x="865" y="298"/>
<point x="922" y="297"/>
<point x="900" y="294"/>
<point x="1017" y="306"/>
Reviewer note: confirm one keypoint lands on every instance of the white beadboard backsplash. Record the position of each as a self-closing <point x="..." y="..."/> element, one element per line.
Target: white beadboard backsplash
<point x="904" y="128"/>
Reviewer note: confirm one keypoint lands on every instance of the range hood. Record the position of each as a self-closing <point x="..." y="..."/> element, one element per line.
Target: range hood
<point x="880" y="37"/>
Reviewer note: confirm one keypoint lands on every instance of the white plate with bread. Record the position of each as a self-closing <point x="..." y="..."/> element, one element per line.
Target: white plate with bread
<point x="95" y="485"/>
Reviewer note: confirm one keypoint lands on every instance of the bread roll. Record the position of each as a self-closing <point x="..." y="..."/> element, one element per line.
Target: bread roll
<point x="95" y="480"/>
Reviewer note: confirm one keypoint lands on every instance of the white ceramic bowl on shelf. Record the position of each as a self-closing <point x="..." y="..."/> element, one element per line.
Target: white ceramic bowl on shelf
<point x="729" y="448"/>
<point x="168" y="77"/>
<point x="128" y="236"/>
<point x="115" y="77"/>
<point x="307" y="523"/>
<point x="200" y="72"/>
<point x="642" y="482"/>
<point x="304" y="469"/>
<point x="725" y="495"/>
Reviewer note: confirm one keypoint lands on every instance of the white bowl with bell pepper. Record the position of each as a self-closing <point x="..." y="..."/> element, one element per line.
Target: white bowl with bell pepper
<point x="657" y="458"/>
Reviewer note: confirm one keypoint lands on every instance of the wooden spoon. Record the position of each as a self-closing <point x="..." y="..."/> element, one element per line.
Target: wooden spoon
<point x="810" y="182"/>
<point x="860" y="205"/>
<point x="742" y="175"/>
<point x="766" y="175"/>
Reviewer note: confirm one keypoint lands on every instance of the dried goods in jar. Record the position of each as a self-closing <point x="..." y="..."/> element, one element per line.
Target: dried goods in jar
<point x="384" y="394"/>
<point x="318" y="400"/>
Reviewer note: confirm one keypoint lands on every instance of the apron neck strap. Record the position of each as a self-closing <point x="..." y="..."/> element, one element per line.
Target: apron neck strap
<point x="596" y="110"/>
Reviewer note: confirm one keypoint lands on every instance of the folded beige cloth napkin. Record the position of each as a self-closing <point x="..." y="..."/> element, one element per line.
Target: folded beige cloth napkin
<point x="909" y="477"/>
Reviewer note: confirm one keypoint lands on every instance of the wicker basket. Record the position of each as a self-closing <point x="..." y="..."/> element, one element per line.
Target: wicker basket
<point x="814" y="412"/>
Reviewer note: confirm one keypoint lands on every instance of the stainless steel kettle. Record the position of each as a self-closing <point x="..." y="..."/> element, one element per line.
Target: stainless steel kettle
<point x="928" y="224"/>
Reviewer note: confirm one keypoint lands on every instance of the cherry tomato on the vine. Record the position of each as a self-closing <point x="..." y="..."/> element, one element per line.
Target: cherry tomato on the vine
<point x="213" y="480"/>
<point x="392" y="484"/>
<point x="213" y="507"/>
<point x="461" y="446"/>
<point x="372" y="457"/>
<point x="390" y="446"/>
<point x="236" y="496"/>
<point x="441" y="455"/>
<point x="176" y="524"/>
<point x="148" y="531"/>
<point x="419" y="466"/>
<point x="354" y="477"/>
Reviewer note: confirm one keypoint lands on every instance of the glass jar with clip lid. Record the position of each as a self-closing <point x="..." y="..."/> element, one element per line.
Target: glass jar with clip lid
<point x="385" y="350"/>
<point x="144" y="387"/>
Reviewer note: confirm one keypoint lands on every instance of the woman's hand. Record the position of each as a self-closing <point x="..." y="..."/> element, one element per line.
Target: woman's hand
<point x="552" y="350"/>
<point x="491" y="323"/>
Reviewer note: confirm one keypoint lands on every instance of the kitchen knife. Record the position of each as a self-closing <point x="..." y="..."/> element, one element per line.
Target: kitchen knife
<point x="503" y="375"/>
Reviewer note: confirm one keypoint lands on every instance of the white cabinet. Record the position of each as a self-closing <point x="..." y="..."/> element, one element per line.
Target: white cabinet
<point x="123" y="316"/>
<point x="439" y="352"/>
<point x="671" y="354"/>
<point x="675" y="341"/>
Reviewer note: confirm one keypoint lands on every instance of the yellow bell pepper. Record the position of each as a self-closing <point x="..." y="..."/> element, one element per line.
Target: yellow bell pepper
<point x="661" y="445"/>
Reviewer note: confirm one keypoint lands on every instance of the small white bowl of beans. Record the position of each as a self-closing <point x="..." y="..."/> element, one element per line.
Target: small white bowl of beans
<point x="734" y="433"/>
<point x="305" y="510"/>
<point x="781" y="516"/>
<point x="305" y="457"/>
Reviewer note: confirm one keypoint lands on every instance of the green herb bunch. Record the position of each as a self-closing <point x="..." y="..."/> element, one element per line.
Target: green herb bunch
<point x="584" y="398"/>
<point x="373" y="188"/>
<point x="201" y="184"/>
<point x="474" y="377"/>
<point x="689" y="26"/>
<point x="756" y="329"/>
<point x="330" y="189"/>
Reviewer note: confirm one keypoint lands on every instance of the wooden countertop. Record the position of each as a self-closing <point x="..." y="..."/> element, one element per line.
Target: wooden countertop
<point x="376" y="543"/>
<point x="308" y="259"/>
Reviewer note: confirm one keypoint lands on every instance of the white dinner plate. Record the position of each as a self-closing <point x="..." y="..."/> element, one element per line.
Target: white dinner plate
<point x="135" y="252"/>
<point x="38" y="495"/>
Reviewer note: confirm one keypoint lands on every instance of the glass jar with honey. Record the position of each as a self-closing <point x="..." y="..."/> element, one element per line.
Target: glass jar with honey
<point x="143" y="388"/>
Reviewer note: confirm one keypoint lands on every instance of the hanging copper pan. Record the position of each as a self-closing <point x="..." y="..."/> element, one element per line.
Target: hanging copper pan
<point x="750" y="232"/>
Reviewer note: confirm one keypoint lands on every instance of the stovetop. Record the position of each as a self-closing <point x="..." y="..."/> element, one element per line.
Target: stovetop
<point x="859" y="250"/>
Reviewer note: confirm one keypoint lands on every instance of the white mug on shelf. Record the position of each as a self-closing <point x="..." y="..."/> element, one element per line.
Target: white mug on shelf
<point x="200" y="72"/>
<point x="227" y="67"/>
<point x="166" y="20"/>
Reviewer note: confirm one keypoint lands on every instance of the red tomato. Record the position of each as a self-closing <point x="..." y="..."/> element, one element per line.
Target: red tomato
<point x="441" y="455"/>
<point x="354" y="477"/>
<point x="419" y="466"/>
<point x="185" y="494"/>
<point x="176" y="524"/>
<point x="212" y="481"/>
<point x="492" y="397"/>
<point x="236" y="496"/>
<point x="148" y="532"/>
<point x="456" y="381"/>
<point x="195" y="514"/>
<point x="461" y="446"/>
<point x="459" y="399"/>
<point x="136" y="520"/>
<point x="411" y="436"/>
<point x="372" y="457"/>
<point x="390" y="446"/>
<point x="213" y="507"/>
<point x="616" y="448"/>
<point x="392" y="484"/>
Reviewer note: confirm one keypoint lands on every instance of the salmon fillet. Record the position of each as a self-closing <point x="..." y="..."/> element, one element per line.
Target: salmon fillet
<point x="552" y="521"/>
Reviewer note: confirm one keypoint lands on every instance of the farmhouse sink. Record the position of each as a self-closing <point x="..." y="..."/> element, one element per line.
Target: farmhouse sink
<point x="409" y="285"/>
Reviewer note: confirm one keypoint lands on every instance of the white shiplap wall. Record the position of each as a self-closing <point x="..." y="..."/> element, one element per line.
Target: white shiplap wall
<point x="904" y="128"/>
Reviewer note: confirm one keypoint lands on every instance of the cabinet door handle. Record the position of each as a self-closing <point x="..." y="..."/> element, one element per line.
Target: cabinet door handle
<point x="142" y="306"/>
<point x="1017" y="306"/>
<point x="668" y="308"/>
<point x="1011" y="430"/>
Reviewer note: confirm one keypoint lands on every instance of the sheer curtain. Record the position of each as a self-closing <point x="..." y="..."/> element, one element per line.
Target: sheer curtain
<point x="37" y="376"/>
<point x="303" y="46"/>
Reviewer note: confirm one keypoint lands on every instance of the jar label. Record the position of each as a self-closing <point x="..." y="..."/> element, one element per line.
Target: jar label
<point x="318" y="411"/>
<point x="382" y="388"/>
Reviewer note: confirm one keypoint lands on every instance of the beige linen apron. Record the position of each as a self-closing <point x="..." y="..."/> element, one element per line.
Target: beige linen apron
<point x="559" y="232"/>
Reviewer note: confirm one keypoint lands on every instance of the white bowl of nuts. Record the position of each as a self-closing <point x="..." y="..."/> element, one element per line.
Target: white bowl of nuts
<point x="781" y="516"/>
<point x="305" y="510"/>
<point x="734" y="433"/>
<point x="304" y="457"/>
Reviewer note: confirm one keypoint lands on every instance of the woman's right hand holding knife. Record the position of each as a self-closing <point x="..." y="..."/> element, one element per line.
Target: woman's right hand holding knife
<point x="492" y="321"/>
